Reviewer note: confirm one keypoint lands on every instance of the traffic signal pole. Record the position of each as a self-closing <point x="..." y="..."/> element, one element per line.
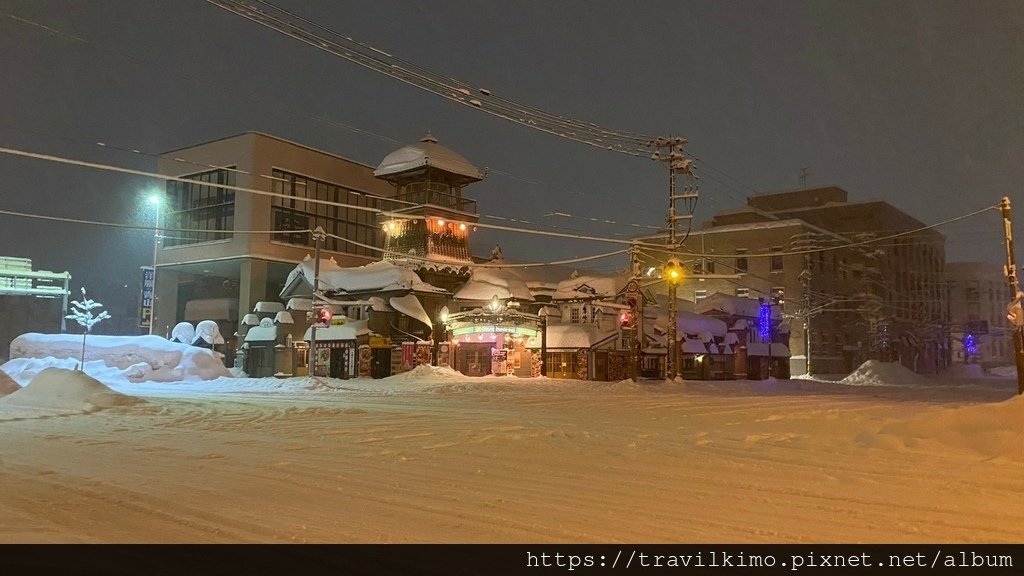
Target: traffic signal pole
<point x="318" y="237"/>
<point x="1015" y="315"/>
<point x="677" y="163"/>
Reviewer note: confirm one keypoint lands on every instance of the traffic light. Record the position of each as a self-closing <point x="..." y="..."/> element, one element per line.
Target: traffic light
<point x="673" y="271"/>
<point x="324" y="315"/>
<point x="626" y="318"/>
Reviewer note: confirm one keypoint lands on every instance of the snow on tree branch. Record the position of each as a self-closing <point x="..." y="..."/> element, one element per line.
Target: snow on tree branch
<point x="83" y="314"/>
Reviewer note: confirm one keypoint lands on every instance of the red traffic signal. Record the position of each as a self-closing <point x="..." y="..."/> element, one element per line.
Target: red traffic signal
<point x="626" y="319"/>
<point x="324" y="315"/>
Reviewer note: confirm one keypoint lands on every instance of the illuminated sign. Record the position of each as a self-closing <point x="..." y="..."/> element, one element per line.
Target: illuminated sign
<point x="495" y="329"/>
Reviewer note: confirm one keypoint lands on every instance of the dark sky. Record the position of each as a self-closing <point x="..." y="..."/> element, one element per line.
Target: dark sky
<point x="917" y="103"/>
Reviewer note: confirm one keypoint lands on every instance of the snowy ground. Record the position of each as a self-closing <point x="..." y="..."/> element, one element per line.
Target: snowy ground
<point x="433" y="456"/>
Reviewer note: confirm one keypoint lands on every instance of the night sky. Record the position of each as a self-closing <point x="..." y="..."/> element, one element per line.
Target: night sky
<point x="917" y="103"/>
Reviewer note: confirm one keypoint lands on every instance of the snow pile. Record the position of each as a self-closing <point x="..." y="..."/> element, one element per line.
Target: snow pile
<point x="64" y="391"/>
<point x="1005" y="371"/>
<point x="425" y="372"/>
<point x="7" y="384"/>
<point x="875" y="373"/>
<point x="113" y="358"/>
<point x="993" y="429"/>
<point x="966" y="371"/>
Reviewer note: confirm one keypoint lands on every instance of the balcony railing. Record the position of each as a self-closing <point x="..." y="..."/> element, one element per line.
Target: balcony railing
<point x="427" y="197"/>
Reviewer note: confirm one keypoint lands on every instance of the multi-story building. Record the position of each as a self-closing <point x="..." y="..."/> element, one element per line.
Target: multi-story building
<point x="836" y="265"/>
<point x="237" y="219"/>
<point x="979" y="331"/>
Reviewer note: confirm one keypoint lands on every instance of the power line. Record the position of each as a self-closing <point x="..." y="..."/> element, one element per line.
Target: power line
<point x="446" y="87"/>
<point x="386" y="213"/>
<point x="57" y="32"/>
<point x="661" y="248"/>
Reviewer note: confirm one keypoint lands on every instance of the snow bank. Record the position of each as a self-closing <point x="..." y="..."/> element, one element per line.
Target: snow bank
<point x="1005" y="371"/>
<point x="993" y="430"/>
<point x="7" y="384"/>
<point x="63" y="391"/>
<point x="875" y="373"/>
<point x="113" y="358"/>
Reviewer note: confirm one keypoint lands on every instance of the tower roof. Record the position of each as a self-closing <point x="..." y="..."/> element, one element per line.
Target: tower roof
<point x="427" y="153"/>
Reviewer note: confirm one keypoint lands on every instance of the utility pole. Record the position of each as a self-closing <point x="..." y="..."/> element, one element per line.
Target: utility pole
<point x="634" y="299"/>
<point x="1015" y="315"/>
<point x="806" y="277"/>
<point x="318" y="236"/>
<point x="677" y="163"/>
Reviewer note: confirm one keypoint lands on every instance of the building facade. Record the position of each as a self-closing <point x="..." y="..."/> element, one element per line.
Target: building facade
<point x="220" y="244"/>
<point x="978" y="293"/>
<point x="850" y="278"/>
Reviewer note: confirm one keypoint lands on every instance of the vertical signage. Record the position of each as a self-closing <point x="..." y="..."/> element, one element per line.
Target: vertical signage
<point x="146" y="310"/>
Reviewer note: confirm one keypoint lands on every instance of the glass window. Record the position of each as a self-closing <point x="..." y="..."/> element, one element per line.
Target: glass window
<point x="202" y="212"/>
<point x="776" y="261"/>
<point x="345" y="222"/>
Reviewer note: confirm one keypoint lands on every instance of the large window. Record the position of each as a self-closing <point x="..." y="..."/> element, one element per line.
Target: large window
<point x="199" y="211"/>
<point x="348" y="222"/>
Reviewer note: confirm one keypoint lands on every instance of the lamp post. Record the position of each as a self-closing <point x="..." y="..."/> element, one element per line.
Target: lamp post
<point x="156" y="201"/>
<point x="674" y="275"/>
<point x="443" y="317"/>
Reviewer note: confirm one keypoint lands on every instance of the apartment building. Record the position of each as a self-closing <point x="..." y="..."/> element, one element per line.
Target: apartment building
<point x="819" y="257"/>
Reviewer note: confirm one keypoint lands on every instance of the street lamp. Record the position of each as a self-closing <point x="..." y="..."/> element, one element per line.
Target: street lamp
<point x="156" y="200"/>
<point x="442" y="315"/>
<point x="673" y="275"/>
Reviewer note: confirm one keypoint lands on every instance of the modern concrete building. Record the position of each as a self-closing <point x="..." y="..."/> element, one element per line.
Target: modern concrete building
<point x="223" y="249"/>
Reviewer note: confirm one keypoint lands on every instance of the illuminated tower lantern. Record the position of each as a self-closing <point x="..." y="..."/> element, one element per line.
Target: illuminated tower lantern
<point x="433" y="239"/>
<point x="429" y="180"/>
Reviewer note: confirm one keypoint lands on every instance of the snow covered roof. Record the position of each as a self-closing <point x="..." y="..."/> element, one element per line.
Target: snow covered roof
<point x="410" y="306"/>
<point x="584" y="287"/>
<point x="734" y="306"/>
<point x="485" y="283"/>
<point x="690" y="323"/>
<point x="427" y="152"/>
<point x="382" y="276"/>
<point x="261" y="334"/>
<point x="347" y="331"/>
<point x="300" y="304"/>
<point x="268" y="307"/>
<point x="576" y="335"/>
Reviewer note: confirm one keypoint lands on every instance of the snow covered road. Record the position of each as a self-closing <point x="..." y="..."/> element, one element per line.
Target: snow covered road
<point x="437" y="457"/>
